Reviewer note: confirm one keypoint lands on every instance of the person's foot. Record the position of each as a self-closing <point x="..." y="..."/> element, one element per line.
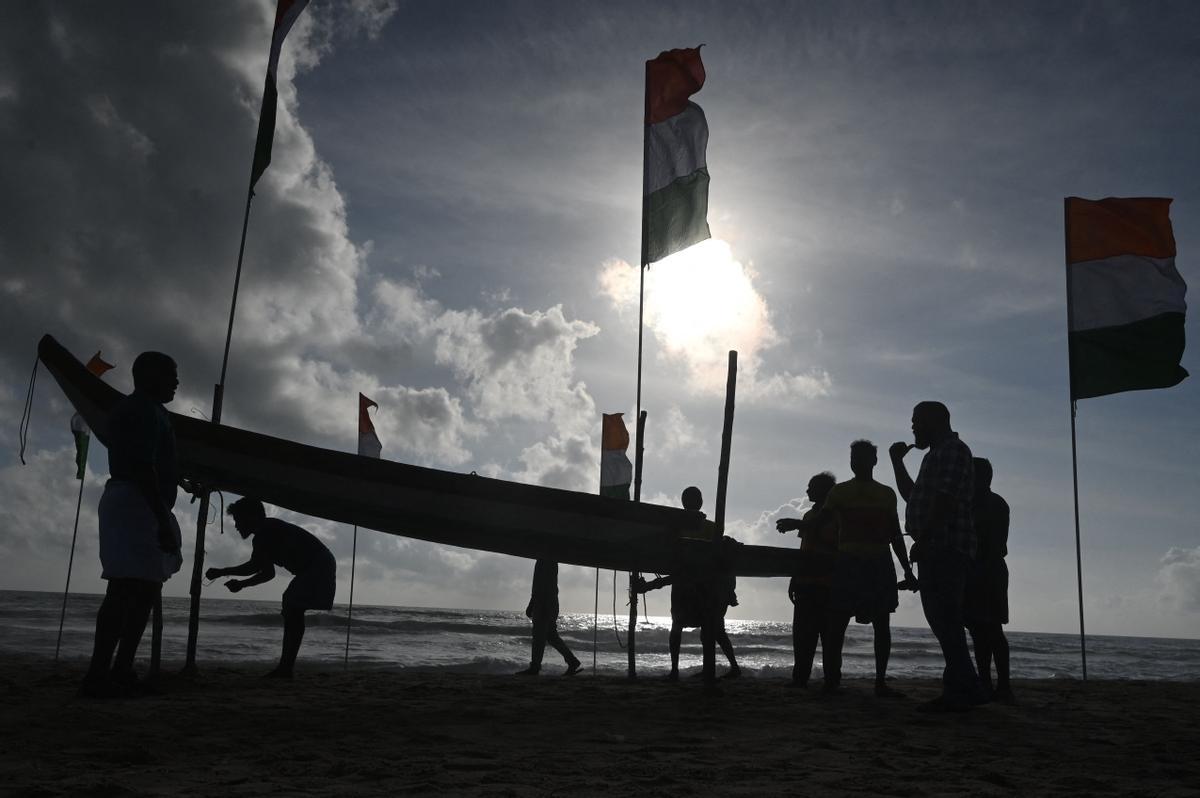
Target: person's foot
<point x="733" y="673"/>
<point x="883" y="691"/>
<point x="278" y="673"/>
<point x="1004" y="695"/>
<point x="941" y="704"/>
<point x="573" y="668"/>
<point x="530" y="671"/>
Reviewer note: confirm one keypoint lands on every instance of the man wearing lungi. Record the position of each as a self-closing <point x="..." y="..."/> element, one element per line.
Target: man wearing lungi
<point x="139" y="536"/>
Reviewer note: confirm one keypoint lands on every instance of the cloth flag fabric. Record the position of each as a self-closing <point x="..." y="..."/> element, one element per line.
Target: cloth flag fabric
<point x="368" y="441"/>
<point x="286" y="14"/>
<point x="79" y="427"/>
<point x="616" y="472"/>
<point x="675" y="177"/>
<point x="1125" y="297"/>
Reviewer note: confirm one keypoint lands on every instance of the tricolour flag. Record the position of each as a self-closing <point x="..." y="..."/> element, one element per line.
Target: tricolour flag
<point x="675" y="177"/>
<point x="616" y="472"/>
<point x="1125" y="297"/>
<point x="79" y="427"/>
<point x="368" y="441"/>
<point x="286" y="14"/>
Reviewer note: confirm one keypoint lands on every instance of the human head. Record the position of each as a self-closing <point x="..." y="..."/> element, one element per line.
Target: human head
<point x="983" y="474"/>
<point x="155" y="375"/>
<point x="692" y="498"/>
<point x="930" y="423"/>
<point x="247" y="514"/>
<point x="863" y="457"/>
<point x="820" y="485"/>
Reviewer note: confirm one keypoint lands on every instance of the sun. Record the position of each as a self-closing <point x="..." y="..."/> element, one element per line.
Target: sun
<point x="701" y="302"/>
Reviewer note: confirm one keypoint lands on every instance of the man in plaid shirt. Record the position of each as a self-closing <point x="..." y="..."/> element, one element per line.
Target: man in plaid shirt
<point x="938" y="517"/>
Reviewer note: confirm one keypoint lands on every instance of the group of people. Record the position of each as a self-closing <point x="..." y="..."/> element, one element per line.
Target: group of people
<point x="140" y="541"/>
<point x="845" y="569"/>
<point x="959" y="528"/>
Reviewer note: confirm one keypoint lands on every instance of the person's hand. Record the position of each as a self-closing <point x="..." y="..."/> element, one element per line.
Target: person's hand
<point x="791" y="595"/>
<point x="786" y="525"/>
<point x="898" y="449"/>
<point x="212" y="573"/>
<point x="233" y="585"/>
<point x="909" y="582"/>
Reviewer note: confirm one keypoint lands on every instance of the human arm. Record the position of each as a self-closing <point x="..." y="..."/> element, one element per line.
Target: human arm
<point x="642" y="586"/>
<point x="257" y="573"/>
<point x="904" y="482"/>
<point x="910" y="581"/>
<point x="806" y="525"/>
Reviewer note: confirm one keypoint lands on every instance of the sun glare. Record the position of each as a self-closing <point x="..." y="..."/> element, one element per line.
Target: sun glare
<point x="701" y="303"/>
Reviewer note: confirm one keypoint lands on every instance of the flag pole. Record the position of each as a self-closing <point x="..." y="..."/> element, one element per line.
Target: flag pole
<point x="640" y="416"/>
<point x="1074" y="452"/>
<point x="218" y="401"/>
<point x="350" y="606"/>
<point x="70" y="562"/>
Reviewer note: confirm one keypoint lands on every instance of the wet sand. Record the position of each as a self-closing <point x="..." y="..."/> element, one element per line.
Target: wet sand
<point x="380" y="732"/>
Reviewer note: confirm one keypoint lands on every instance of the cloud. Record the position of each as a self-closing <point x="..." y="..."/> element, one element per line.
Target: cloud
<point x="700" y="304"/>
<point x="1179" y="579"/>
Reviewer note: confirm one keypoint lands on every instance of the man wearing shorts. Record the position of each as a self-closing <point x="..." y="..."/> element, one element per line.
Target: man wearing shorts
<point x="276" y="542"/>
<point x="864" y="576"/>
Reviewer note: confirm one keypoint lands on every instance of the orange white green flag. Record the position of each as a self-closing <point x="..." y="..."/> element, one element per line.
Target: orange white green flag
<point x="616" y="472"/>
<point x="1125" y="298"/>
<point x="79" y="427"/>
<point x="675" y="176"/>
<point x="368" y="441"/>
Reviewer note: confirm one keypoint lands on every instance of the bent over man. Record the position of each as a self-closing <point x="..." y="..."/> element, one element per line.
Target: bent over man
<point x="276" y="542"/>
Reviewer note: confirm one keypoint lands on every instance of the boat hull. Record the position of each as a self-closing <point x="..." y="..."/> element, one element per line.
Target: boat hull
<point x="457" y="509"/>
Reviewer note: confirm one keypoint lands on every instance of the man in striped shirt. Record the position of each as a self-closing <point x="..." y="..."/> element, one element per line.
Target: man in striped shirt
<point x="938" y="518"/>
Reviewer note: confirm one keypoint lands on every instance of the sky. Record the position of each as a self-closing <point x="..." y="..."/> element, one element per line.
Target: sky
<point x="449" y="223"/>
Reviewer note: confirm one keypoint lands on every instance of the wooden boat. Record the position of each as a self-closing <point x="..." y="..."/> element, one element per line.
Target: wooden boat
<point x="429" y="504"/>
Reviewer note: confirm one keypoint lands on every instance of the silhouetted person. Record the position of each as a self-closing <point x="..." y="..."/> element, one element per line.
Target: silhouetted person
<point x="276" y="542"/>
<point x="987" y="586"/>
<point x="809" y="587"/>
<point x="938" y="517"/>
<point x="702" y="591"/>
<point x="543" y="611"/>
<point x="139" y="537"/>
<point x="864" y="578"/>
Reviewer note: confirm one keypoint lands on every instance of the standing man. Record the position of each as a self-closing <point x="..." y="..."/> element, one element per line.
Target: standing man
<point x="809" y="587"/>
<point x="987" y="586"/>
<point x="864" y="578"/>
<point x="695" y="604"/>
<point x="543" y="611"/>
<point x="139" y="536"/>
<point x="276" y="542"/>
<point x="938" y="517"/>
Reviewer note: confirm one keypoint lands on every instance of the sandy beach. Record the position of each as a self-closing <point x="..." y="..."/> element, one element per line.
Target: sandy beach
<point x="383" y="732"/>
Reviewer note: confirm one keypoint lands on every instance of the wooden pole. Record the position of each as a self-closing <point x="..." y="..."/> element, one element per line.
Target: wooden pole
<point x="726" y="442"/>
<point x="350" y="606"/>
<point x="635" y="576"/>
<point x="70" y="562"/>
<point x="1074" y="453"/>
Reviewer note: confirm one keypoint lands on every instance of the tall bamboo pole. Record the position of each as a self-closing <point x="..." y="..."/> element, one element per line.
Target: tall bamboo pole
<point x="350" y="606"/>
<point x="218" y="400"/>
<point x="70" y="562"/>
<point x="1074" y="454"/>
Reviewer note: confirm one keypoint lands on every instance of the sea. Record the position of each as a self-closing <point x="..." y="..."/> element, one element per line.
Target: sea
<point x="497" y="641"/>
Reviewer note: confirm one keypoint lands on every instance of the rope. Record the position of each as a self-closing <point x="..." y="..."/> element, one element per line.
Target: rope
<point x="27" y="413"/>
